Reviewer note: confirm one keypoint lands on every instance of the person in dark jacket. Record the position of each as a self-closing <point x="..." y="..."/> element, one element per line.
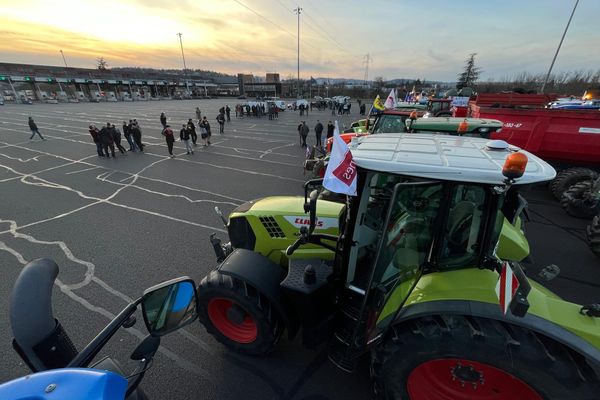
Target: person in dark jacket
<point x="96" y="136"/>
<point x="303" y="130"/>
<point x="221" y="120"/>
<point x="107" y="140"/>
<point x="163" y="119"/>
<point x="192" y="128"/>
<point x="34" y="129"/>
<point x="318" y="133"/>
<point x="184" y="135"/>
<point x="228" y="113"/>
<point x="136" y="133"/>
<point x="205" y="131"/>
<point x="167" y="132"/>
<point x="116" y="136"/>
<point x="330" y="129"/>
<point x="127" y="133"/>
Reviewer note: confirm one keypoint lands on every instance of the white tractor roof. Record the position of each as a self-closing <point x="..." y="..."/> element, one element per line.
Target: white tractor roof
<point x="455" y="158"/>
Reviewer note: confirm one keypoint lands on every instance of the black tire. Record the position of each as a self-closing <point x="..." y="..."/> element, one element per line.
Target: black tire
<point x="251" y="302"/>
<point x="443" y="114"/>
<point x="593" y="235"/>
<point x="547" y="367"/>
<point x="568" y="177"/>
<point x="578" y="202"/>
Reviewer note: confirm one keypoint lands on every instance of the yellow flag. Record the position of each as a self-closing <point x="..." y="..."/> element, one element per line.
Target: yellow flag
<point x="378" y="104"/>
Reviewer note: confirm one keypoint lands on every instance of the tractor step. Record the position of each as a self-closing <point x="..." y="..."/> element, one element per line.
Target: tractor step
<point x="342" y="356"/>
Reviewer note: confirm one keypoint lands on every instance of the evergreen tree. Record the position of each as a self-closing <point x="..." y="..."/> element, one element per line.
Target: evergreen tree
<point x="102" y="64"/>
<point x="471" y="73"/>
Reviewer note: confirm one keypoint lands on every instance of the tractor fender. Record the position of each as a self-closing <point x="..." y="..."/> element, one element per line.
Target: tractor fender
<point x="493" y="311"/>
<point x="265" y="276"/>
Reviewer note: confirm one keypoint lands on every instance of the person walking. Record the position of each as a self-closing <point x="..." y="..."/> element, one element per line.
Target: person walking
<point x="127" y="133"/>
<point x="228" y="113"/>
<point x="163" y="120"/>
<point x="34" y="129"/>
<point x="107" y="140"/>
<point x="198" y="114"/>
<point x="116" y="136"/>
<point x="96" y="136"/>
<point x="221" y="121"/>
<point x="184" y="135"/>
<point x="167" y="132"/>
<point x="303" y="129"/>
<point x="318" y="133"/>
<point x="204" y="131"/>
<point x="330" y="129"/>
<point x="136" y="133"/>
<point x="192" y="128"/>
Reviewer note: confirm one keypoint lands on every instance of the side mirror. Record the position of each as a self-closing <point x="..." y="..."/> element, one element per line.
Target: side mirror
<point x="169" y="306"/>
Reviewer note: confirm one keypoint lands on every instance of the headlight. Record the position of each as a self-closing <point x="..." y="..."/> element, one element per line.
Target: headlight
<point x="427" y="115"/>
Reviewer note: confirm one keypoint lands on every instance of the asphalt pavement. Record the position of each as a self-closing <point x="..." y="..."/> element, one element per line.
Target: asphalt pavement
<point x="118" y="226"/>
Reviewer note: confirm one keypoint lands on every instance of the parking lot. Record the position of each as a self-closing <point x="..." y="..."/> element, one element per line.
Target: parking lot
<point x="118" y="226"/>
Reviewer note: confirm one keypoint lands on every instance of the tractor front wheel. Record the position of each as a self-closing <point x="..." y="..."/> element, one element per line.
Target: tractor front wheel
<point x="467" y="358"/>
<point x="238" y="315"/>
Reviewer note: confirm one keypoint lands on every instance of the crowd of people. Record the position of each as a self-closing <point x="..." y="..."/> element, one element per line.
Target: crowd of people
<point x="303" y="131"/>
<point x="108" y="138"/>
<point x="257" y="110"/>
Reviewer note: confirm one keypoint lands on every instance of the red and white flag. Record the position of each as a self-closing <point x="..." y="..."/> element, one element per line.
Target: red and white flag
<point x="340" y="176"/>
<point x="506" y="287"/>
<point x="391" y="100"/>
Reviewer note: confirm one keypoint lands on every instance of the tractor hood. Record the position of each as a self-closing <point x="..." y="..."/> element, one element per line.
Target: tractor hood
<point x="447" y="124"/>
<point x="288" y="213"/>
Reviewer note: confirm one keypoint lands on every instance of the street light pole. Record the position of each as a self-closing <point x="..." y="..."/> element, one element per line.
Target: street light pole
<point x="298" y="11"/>
<point x="184" y="66"/>
<point x="63" y="57"/>
<point x="558" y="49"/>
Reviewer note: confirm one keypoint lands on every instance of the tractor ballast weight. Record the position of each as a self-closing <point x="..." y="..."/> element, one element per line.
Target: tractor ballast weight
<point x="412" y="278"/>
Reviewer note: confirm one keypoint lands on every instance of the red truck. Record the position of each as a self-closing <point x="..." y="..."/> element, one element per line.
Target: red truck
<point x="569" y="139"/>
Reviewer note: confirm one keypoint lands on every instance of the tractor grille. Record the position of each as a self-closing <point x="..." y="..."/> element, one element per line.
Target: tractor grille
<point x="272" y="227"/>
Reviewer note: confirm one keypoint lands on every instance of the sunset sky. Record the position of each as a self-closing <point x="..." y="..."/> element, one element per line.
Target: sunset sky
<point x="405" y="38"/>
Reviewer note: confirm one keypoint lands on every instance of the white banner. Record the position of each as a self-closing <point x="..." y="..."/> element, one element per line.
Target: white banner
<point x="340" y="176"/>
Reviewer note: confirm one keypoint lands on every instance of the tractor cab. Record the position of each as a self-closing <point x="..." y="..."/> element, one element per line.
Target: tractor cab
<point x="424" y="204"/>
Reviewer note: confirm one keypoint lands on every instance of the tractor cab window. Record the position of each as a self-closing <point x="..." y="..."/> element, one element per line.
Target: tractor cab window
<point x="395" y="228"/>
<point x="390" y="124"/>
<point x="462" y="234"/>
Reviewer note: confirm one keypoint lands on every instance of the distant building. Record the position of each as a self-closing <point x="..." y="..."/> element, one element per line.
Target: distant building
<point x="272" y="77"/>
<point x="244" y="79"/>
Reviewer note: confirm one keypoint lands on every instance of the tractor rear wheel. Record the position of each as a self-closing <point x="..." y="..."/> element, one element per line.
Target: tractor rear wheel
<point x="466" y="358"/>
<point x="578" y="201"/>
<point x="593" y="235"/>
<point x="568" y="177"/>
<point x="238" y="315"/>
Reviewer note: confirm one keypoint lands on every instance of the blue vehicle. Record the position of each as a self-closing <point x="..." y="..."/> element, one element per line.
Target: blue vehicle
<point x="578" y="105"/>
<point x="60" y="371"/>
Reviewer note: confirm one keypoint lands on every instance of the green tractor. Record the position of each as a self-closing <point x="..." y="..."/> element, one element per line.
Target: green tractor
<point x="407" y="272"/>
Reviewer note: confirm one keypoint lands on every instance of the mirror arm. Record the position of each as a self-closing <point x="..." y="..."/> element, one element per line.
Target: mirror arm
<point x="83" y="359"/>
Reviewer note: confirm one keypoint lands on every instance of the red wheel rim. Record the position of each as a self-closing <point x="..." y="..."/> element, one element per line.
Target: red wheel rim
<point x="218" y="310"/>
<point x="457" y="379"/>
